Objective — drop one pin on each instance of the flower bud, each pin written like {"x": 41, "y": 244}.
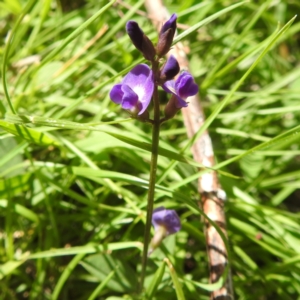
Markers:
{"x": 140, "y": 40}
{"x": 166, "y": 36}
{"x": 149, "y": 51}
{"x": 135, "y": 33}
{"x": 170, "y": 69}
{"x": 171, "y": 23}
{"x": 165, "y": 42}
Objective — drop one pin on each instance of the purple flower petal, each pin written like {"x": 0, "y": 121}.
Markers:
{"x": 116, "y": 93}
{"x": 140, "y": 40}
{"x": 130, "y": 98}
{"x": 135, "y": 33}
{"x": 167, "y": 218}
{"x": 171, "y": 23}
{"x": 182, "y": 88}
{"x": 169, "y": 87}
{"x": 194, "y": 89}
{"x": 166, "y": 36}
{"x": 170, "y": 69}
{"x": 185, "y": 85}
{"x": 135, "y": 91}
{"x": 180, "y": 102}
{"x": 140, "y": 80}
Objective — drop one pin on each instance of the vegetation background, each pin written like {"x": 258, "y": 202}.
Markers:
{"x": 73, "y": 200}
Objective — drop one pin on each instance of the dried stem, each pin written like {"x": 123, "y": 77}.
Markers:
{"x": 211, "y": 195}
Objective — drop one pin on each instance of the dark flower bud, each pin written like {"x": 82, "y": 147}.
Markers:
{"x": 140, "y": 40}
{"x": 149, "y": 51}
{"x": 170, "y": 69}
{"x": 164, "y": 42}
{"x": 166, "y": 36}
{"x": 171, "y": 23}
{"x": 136, "y": 34}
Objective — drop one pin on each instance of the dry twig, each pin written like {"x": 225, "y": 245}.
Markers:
{"x": 211, "y": 194}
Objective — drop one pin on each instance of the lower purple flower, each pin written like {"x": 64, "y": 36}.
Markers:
{"x": 165, "y": 222}
{"x": 167, "y": 218}
{"x": 135, "y": 91}
{"x": 183, "y": 87}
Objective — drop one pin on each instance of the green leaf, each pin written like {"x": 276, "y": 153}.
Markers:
{"x": 101, "y": 265}
{"x": 210, "y": 287}
{"x": 21, "y": 210}
{"x": 76, "y": 33}
{"x": 9, "y": 267}
{"x": 28, "y": 134}
{"x": 206, "y": 21}
{"x": 156, "y": 280}
{"x": 177, "y": 285}
{"x": 62, "y": 124}
{"x": 90, "y": 248}
{"x": 14, "y": 185}
{"x": 11, "y": 155}
{"x": 102, "y": 285}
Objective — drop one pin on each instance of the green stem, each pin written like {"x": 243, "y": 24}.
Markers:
{"x": 153, "y": 169}
{"x": 6, "y": 55}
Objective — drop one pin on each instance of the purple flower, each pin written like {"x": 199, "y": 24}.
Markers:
{"x": 165, "y": 222}
{"x": 166, "y": 218}
{"x": 182, "y": 88}
{"x": 135, "y": 91}
{"x": 170, "y": 69}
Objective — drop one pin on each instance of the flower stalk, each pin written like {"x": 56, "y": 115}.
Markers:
{"x": 134, "y": 94}
{"x": 152, "y": 180}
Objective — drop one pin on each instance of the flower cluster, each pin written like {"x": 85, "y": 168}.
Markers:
{"x": 165, "y": 222}
{"x": 135, "y": 91}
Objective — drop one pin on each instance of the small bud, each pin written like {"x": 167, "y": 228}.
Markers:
{"x": 140, "y": 40}
{"x": 148, "y": 49}
{"x": 171, "y": 23}
{"x": 165, "y": 42}
{"x": 135, "y": 33}
{"x": 170, "y": 69}
{"x": 166, "y": 36}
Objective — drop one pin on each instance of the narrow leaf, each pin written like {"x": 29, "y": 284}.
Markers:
{"x": 28, "y": 133}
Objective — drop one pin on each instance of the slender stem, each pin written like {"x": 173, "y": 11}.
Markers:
{"x": 6, "y": 56}
{"x": 153, "y": 169}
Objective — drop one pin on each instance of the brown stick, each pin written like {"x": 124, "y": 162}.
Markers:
{"x": 211, "y": 194}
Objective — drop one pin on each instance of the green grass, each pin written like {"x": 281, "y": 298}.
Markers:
{"x": 74, "y": 169}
